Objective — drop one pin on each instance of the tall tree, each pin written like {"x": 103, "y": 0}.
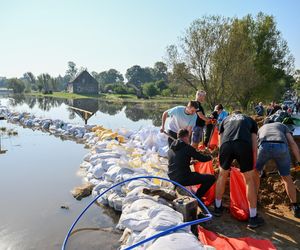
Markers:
{"x": 138, "y": 75}
{"x": 29, "y": 81}
{"x": 110, "y": 76}
{"x": 44, "y": 82}
{"x": 71, "y": 71}
{"x": 198, "y": 46}
{"x": 160, "y": 72}
{"x": 17, "y": 85}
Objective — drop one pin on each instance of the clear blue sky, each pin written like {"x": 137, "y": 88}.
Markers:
{"x": 43, "y": 35}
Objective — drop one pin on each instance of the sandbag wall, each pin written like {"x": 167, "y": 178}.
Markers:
{"x": 116, "y": 156}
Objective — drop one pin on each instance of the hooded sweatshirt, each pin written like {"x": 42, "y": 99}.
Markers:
{"x": 179, "y": 156}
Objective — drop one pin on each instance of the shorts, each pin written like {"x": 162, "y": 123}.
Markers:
{"x": 197, "y": 135}
{"x": 279, "y": 152}
{"x": 239, "y": 150}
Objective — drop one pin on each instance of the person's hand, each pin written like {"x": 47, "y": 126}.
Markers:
{"x": 297, "y": 167}
{"x": 162, "y": 129}
{"x": 208, "y": 122}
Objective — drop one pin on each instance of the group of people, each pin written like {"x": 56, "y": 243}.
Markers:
{"x": 240, "y": 139}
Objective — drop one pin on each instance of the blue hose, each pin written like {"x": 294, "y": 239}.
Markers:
{"x": 169, "y": 230}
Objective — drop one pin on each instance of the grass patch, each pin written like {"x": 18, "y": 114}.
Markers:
{"x": 112, "y": 97}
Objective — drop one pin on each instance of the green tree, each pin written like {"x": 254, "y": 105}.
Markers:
{"x": 44, "y": 83}
{"x": 149, "y": 89}
{"x": 71, "y": 71}
{"x": 160, "y": 72}
{"x": 138, "y": 75}
{"x": 17, "y": 85}
{"x": 110, "y": 76}
{"x": 192, "y": 60}
{"x": 29, "y": 81}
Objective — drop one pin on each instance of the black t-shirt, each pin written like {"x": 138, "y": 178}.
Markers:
{"x": 200, "y": 122}
{"x": 237, "y": 127}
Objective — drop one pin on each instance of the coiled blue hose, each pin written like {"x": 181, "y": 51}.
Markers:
{"x": 169, "y": 230}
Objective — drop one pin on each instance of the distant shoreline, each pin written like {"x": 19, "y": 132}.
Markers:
{"x": 112, "y": 97}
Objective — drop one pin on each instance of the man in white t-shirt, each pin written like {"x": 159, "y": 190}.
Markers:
{"x": 181, "y": 118}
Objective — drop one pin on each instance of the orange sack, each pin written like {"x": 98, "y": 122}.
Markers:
{"x": 239, "y": 207}
{"x": 225, "y": 243}
{"x": 214, "y": 139}
{"x": 206, "y": 168}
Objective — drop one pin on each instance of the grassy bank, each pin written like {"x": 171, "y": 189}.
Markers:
{"x": 112, "y": 97}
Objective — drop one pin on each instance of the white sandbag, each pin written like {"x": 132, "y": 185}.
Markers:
{"x": 86, "y": 165}
{"x": 102, "y": 185}
{"x": 115, "y": 201}
{"x": 112, "y": 173}
{"x": 155, "y": 210}
{"x": 87, "y": 157}
{"x": 177, "y": 241}
{"x": 99, "y": 150}
{"x": 136, "y": 221}
{"x": 166, "y": 219}
{"x": 124, "y": 132}
{"x": 142, "y": 204}
{"x": 104, "y": 198}
{"x": 95, "y": 181}
{"x": 89, "y": 176}
{"x": 136, "y": 183}
{"x": 98, "y": 171}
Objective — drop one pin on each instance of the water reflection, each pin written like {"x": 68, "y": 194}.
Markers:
{"x": 84, "y": 108}
{"x": 133, "y": 111}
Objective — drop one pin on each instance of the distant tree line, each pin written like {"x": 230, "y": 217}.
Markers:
{"x": 237, "y": 61}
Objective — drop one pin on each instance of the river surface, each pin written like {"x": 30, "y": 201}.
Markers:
{"x": 39, "y": 170}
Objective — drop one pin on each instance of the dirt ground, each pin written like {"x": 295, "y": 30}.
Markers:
{"x": 281, "y": 227}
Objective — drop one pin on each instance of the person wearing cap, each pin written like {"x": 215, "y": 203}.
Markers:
{"x": 181, "y": 117}
{"x": 179, "y": 155}
{"x": 274, "y": 139}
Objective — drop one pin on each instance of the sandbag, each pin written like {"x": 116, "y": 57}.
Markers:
{"x": 239, "y": 207}
{"x": 177, "y": 241}
{"x": 136, "y": 221}
{"x": 225, "y": 243}
{"x": 206, "y": 168}
{"x": 214, "y": 139}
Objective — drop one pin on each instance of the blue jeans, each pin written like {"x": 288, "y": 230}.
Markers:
{"x": 279, "y": 152}
{"x": 197, "y": 135}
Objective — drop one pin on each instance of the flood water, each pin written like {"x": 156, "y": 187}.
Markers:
{"x": 39, "y": 170}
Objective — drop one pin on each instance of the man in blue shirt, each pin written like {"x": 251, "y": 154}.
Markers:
{"x": 181, "y": 118}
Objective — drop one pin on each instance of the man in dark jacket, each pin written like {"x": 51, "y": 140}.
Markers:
{"x": 179, "y": 155}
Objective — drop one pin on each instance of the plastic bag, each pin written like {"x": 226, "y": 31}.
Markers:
{"x": 206, "y": 168}
{"x": 225, "y": 243}
{"x": 214, "y": 139}
{"x": 239, "y": 207}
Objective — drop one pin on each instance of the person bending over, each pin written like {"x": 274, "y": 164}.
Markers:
{"x": 181, "y": 117}
{"x": 238, "y": 140}
{"x": 274, "y": 140}
{"x": 179, "y": 155}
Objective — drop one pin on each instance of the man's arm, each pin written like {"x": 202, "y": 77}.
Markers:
{"x": 189, "y": 128}
{"x": 293, "y": 145}
{"x": 163, "y": 121}
{"x": 203, "y": 117}
{"x": 197, "y": 155}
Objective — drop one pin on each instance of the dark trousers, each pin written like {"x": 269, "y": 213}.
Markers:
{"x": 194, "y": 178}
{"x": 208, "y": 131}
